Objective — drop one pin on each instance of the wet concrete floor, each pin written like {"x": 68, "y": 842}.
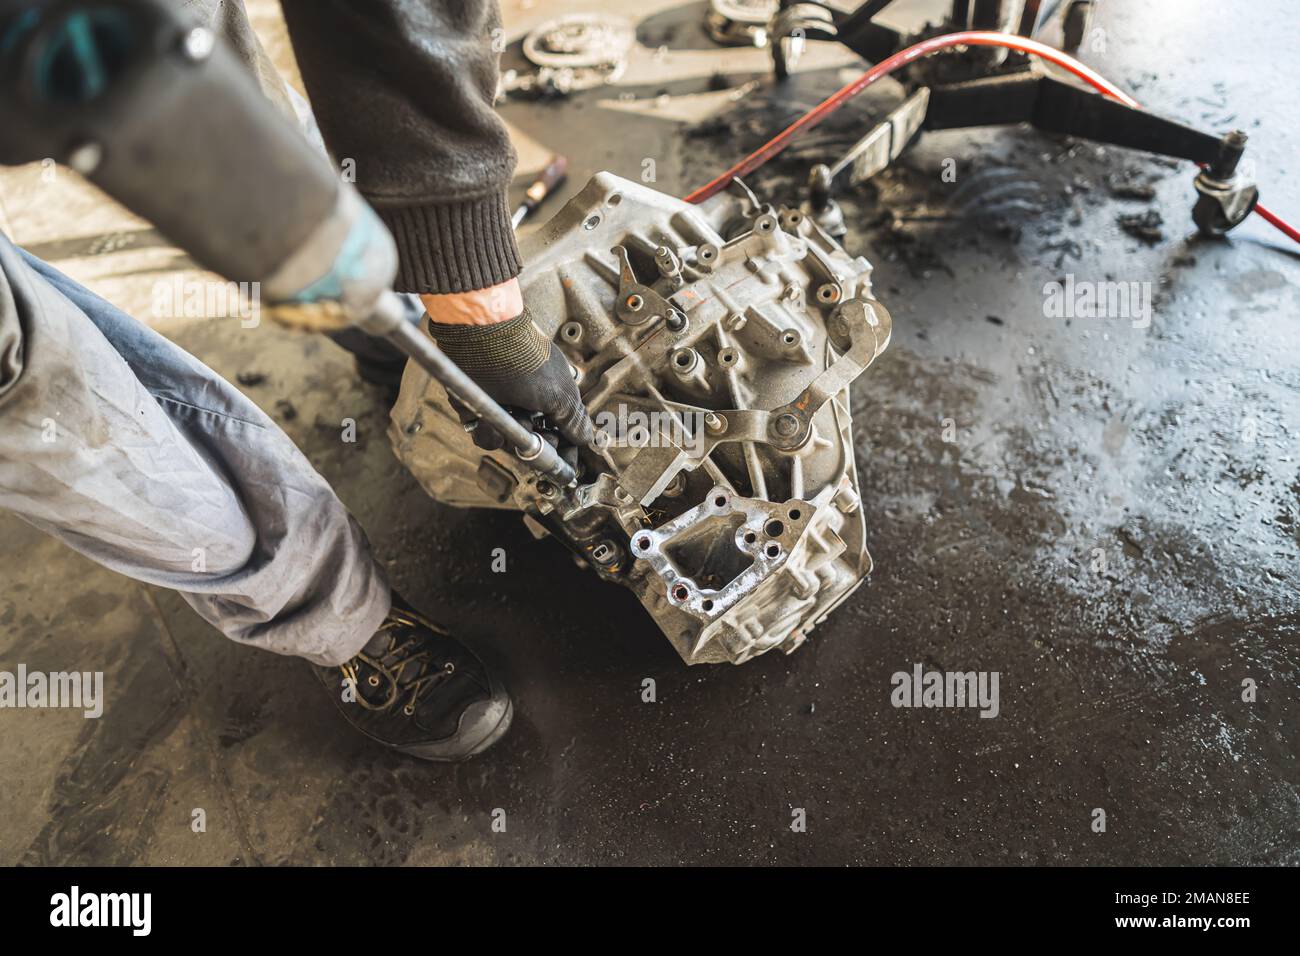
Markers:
{"x": 1103, "y": 511}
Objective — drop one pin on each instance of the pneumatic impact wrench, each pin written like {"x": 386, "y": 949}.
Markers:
{"x": 154, "y": 110}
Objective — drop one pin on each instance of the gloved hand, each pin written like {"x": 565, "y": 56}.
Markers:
{"x": 518, "y": 366}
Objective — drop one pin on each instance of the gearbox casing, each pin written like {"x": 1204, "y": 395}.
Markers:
{"x": 714, "y": 346}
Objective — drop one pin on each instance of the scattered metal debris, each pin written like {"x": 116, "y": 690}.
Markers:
{"x": 580, "y": 51}
{"x": 1143, "y": 225}
{"x": 740, "y": 22}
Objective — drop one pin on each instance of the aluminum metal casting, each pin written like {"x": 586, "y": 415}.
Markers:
{"x": 714, "y": 346}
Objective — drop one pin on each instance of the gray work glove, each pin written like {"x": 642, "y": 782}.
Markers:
{"x": 518, "y": 366}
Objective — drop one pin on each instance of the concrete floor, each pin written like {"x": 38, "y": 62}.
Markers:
{"x": 1171, "y": 448}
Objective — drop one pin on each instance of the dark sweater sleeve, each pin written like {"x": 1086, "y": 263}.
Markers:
{"x": 404, "y": 89}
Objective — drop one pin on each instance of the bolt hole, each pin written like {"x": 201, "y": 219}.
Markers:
{"x": 720, "y": 501}
{"x": 789, "y": 338}
{"x": 706, "y": 253}
{"x": 794, "y": 514}
{"x": 682, "y": 359}
{"x": 774, "y": 529}
{"x": 707, "y": 605}
{"x": 634, "y": 302}
{"x": 750, "y": 537}
{"x": 614, "y": 199}
{"x": 591, "y": 222}
{"x": 643, "y": 544}
{"x": 773, "y": 550}
{"x": 765, "y": 225}
{"x": 681, "y": 593}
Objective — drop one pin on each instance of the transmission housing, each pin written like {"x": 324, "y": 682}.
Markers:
{"x": 714, "y": 346}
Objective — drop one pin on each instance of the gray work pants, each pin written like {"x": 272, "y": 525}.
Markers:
{"x": 121, "y": 444}
{"x": 137, "y": 455}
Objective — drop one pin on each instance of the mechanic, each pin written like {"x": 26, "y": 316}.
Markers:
{"x": 137, "y": 455}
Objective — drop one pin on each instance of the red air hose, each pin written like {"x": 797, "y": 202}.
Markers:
{"x": 925, "y": 48}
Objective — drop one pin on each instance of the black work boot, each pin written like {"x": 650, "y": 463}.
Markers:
{"x": 418, "y": 690}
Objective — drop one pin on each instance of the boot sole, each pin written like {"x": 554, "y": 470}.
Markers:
{"x": 430, "y": 752}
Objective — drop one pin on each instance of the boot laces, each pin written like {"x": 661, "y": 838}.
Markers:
{"x": 406, "y": 668}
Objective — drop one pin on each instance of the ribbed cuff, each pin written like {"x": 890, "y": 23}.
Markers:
{"x": 501, "y": 352}
{"x": 453, "y": 247}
